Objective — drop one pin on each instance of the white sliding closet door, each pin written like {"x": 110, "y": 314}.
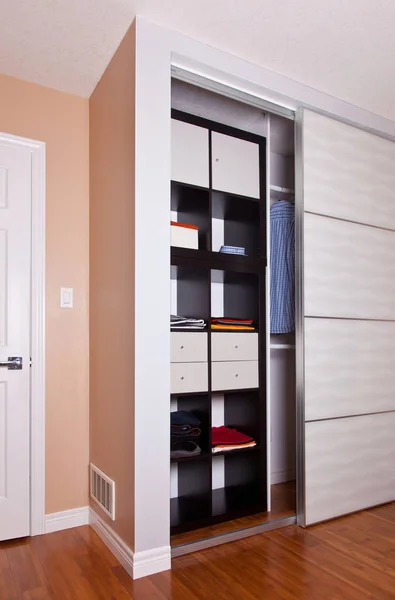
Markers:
{"x": 348, "y": 317}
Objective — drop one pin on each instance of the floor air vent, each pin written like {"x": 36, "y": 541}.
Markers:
{"x": 103, "y": 491}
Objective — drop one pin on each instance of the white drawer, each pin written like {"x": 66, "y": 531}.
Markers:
{"x": 188, "y": 377}
{"x": 235, "y": 375}
{"x": 234, "y": 346}
{"x": 188, "y": 347}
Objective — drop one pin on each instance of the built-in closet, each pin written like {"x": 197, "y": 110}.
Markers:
{"x": 231, "y": 162}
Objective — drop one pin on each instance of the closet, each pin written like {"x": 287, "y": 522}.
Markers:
{"x": 230, "y": 163}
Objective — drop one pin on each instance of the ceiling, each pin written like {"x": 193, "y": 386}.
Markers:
{"x": 346, "y": 49}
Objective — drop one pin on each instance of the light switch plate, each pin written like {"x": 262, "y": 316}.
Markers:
{"x": 66, "y": 297}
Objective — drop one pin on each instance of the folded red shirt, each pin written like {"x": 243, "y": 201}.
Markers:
{"x": 224, "y": 435}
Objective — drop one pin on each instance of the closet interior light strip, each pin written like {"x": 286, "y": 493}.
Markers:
{"x": 231, "y": 92}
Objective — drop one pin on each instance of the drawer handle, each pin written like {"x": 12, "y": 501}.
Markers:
{"x": 181, "y": 347}
{"x": 236, "y": 346}
{"x": 182, "y": 378}
{"x": 236, "y": 375}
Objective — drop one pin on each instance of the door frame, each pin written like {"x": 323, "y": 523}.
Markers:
{"x": 37, "y": 340}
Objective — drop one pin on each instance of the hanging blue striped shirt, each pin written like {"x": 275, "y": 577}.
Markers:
{"x": 282, "y": 267}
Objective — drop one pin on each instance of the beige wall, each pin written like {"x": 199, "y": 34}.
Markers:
{"x": 62, "y": 122}
{"x": 112, "y": 279}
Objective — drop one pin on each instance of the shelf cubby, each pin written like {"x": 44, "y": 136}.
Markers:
{"x": 241, "y": 294}
{"x": 192, "y": 205}
{"x": 241, "y": 221}
{"x": 231, "y": 502}
{"x": 200, "y": 406}
{"x": 191, "y": 290}
{"x": 192, "y": 507}
{"x": 242, "y": 411}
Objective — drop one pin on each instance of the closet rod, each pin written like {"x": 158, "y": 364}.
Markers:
{"x": 282, "y": 190}
{"x": 282, "y": 346}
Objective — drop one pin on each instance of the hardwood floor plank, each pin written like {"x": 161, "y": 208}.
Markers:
{"x": 290, "y": 574}
{"x": 359, "y": 579}
{"x": 27, "y": 570}
{"x": 371, "y": 541}
{"x": 352, "y": 558}
{"x": 93, "y": 542}
{"x": 385, "y": 512}
{"x": 8, "y": 589}
{"x": 39, "y": 594}
{"x": 77, "y": 570}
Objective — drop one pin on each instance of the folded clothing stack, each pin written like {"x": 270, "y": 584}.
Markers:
{"x": 224, "y": 439}
{"x": 226, "y": 324}
{"x": 184, "y": 434}
{"x": 178, "y": 323}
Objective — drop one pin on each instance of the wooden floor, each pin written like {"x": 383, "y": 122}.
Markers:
{"x": 352, "y": 558}
{"x": 283, "y": 505}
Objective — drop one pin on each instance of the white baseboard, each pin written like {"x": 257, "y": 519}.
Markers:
{"x": 138, "y": 564}
{"x": 151, "y": 562}
{"x": 282, "y": 477}
{"x": 67, "y": 519}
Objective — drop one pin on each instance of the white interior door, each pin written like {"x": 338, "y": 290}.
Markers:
{"x": 348, "y": 318}
{"x": 15, "y": 273}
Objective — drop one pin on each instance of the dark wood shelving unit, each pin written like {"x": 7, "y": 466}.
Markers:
{"x": 243, "y": 279}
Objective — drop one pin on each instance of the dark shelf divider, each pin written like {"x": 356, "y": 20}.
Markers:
{"x": 254, "y": 449}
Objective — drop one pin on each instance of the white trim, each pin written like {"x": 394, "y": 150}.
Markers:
{"x": 136, "y": 565}
{"x": 114, "y": 543}
{"x": 151, "y": 562}
{"x": 67, "y": 519}
{"x": 37, "y": 399}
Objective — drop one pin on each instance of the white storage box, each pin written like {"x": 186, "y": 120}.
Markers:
{"x": 184, "y": 235}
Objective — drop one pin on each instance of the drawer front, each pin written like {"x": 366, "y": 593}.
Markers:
{"x": 235, "y": 165}
{"x": 188, "y": 347}
{"x": 235, "y": 375}
{"x": 189, "y": 153}
{"x": 234, "y": 346}
{"x": 188, "y": 377}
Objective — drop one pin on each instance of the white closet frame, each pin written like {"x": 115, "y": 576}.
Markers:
{"x": 161, "y": 53}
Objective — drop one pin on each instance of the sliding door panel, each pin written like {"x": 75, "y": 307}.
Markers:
{"x": 345, "y": 318}
{"x": 349, "y": 173}
{"x": 349, "y": 368}
{"x": 349, "y": 465}
{"x": 349, "y": 269}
